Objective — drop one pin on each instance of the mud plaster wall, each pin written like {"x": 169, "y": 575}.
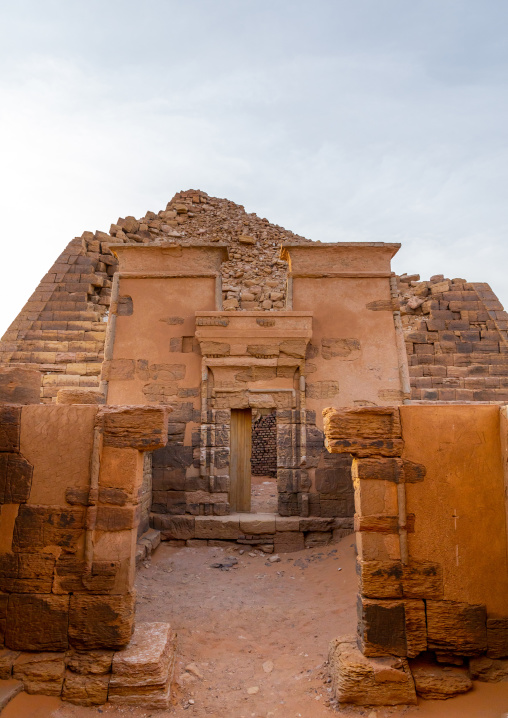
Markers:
{"x": 432, "y": 483}
{"x": 171, "y": 347}
{"x": 67, "y": 550}
{"x": 460, "y": 447}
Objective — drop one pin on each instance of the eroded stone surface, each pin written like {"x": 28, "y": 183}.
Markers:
{"x": 142, "y": 672}
{"x": 360, "y": 680}
{"x": 437, "y": 682}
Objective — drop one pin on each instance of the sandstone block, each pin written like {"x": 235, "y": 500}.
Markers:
{"x": 7, "y": 659}
{"x": 388, "y": 469}
{"x": 41, "y": 672}
{"x": 142, "y": 672}
{"x": 365, "y": 447}
{"x": 117, "y": 518}
{"x": 100, "y": 622}
{"x": 89, "y": 662}
{"x": 85, "y": 690}
{"x": 19, "y": 385}
{"x": 26, "y": 573}
{"x": 38, "y": 527}
{"x": 439, "y": 682}
{"x": 80, "y": 396}
{"x": 391, "y": 627}
{"x": 10, "y": 420}
{"x": 293, "y": 480}
{"x": 287, "y": 523}
{"x": 365, "y": 422}
{"x": 217, "y": 527}
{"x": 288, "y": 541}
{"x": 37, "y": 622}
{"x": 488, "y": 670}
{"x": 359, "y": 680}
{"x": 392, "y": 579}
{"x": 15, "y": 478}
{"x": 143, "y": 428}
{"x": 261, "y": 524}
{"x": 497, "y": 637}
{"x": 315, "y": 524}
{"x": 175, "y": 527}
{"x": 457, "y": 627}
{"x": 382, "y": 524}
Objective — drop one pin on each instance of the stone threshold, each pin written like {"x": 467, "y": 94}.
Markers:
{"x": 267, "y": 532}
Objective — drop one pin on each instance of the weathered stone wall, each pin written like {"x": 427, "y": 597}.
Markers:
{"x": 457, "y": 340}
{"x": 70, "y": 492}
{"x": 174, "y": 344}
{"x": 264, "y": 446}
{"x": 61, "y": 330}
{"x": 431, "y": 529}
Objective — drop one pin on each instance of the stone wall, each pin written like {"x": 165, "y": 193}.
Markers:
{"x": 264, "y": 445}
{"x": 456, "y": 336}
{"x": 430, "y": 521}
{"x": 61, "y": 330}
{"x": 70, "y": 502}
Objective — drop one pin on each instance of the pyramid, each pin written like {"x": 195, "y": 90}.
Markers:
{"x": 61, "y": 330}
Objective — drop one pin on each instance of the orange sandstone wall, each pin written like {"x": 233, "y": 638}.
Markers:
{"x": 460, "y": 506}
{"x": 430, "y": 517}
{"x": 70, "y": 484}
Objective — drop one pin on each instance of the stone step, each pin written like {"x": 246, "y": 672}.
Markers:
{"x": 282, "y": 533}
{"x": 9, "y": 689}
{"x": 142, "y": 672}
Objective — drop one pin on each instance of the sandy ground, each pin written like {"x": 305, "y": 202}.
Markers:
{"x": 261, "y": 626}
{"x": 263, "y": 495}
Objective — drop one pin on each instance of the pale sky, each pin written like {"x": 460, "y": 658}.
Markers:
{"x": 342, "y": 120}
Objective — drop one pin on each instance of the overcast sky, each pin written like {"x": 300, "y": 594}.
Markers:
{"x": 369, "y": 120}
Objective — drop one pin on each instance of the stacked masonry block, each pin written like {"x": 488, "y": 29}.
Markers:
{"x": 403, "y": 609}
{"x": 456, "y": 339}
{"x": 264, "y": 446}
{"x": 71, "y": 482}
{"x": 61, "y": 329}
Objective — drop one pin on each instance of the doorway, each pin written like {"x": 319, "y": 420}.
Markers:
{"x": 264, "y": 461}
{"x": 240, "y": 467}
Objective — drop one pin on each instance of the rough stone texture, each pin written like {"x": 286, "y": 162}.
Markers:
{"x": 10, "y": 426}
{"x": 439, "y": 682}
{"x": 7, "y": 659}
{"x": 391, "y": 627}
{"x": 138, "y": 427}
{"x": 79, "y": 396}
{"x": 41, "y": 672}
{"x": 90, "y": 662}
{"x": 37, "y": 622}
{"x": 456, "y": 627}
{"x": 489, "y": 670}
{"x": 360, "y": 680}
{"x": 264, "y": 446}
{"x": 391, "y": 579}
{"x": 97, "y": 622}
{"x": 19, "y": 385}
{"x": 61, "y": 329}
{"x": 456, "y": 338}
{"x": 85, "y": 690}
{"x": 497, "y": 637}
{"x": 142, "y": 672}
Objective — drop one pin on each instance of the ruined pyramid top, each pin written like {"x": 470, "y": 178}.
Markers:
{"x": 254, "y": 277}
